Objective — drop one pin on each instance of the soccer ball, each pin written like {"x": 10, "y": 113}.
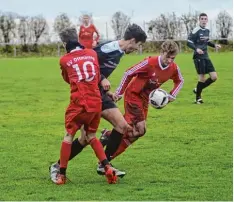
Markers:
{"x": 158, "y": 98}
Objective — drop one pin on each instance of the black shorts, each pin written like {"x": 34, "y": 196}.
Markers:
{"x": 204, "y": 66}
{"x": 107, "y": 102}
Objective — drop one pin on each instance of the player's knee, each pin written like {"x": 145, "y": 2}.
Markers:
{"x": 122, "y": 127}
{"x": 82, "y": 140}
{"x": 202, "y": 79}
{"x": 214, "y": 78}
{"x": 90, "y": 136}
{"x": 142, "y": 132}
{"x": 68, "y": 138}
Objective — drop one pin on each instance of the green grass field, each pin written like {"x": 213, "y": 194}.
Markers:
{"x": 185, "y": 155}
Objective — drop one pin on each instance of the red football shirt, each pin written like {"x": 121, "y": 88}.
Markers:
{"x": 80, "y": 69}
{"x": 142, "y": 78}
{"x": 86, "y": 35}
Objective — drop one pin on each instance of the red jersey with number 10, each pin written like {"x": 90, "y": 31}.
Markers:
{"x": 80, "y": 69}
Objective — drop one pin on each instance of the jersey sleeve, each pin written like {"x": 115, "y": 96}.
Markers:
{"x": 96, "y": 31}
{"x": 140, "y": 68}
{"x": 192, "y": 39}
{"x": 178, "y": 82}
{"x": 64, "y": 72}
{"x": 79, "y": 34}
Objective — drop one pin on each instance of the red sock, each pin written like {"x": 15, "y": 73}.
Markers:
{"x": 98, "y": 149}
{"x": 122, "y": 147}
{"x": 65, "y": 154}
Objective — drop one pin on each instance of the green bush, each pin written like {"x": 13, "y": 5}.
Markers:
{"x": 55, "y": 49}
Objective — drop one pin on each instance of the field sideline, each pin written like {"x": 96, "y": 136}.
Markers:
{"x": 186, "y": 154}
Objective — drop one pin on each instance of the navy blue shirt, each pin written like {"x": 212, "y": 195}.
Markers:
{"x": 109, "y": 55}
{"x": 199, "y": 38}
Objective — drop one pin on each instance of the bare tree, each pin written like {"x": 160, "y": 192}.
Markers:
{"x": 119, "y": 23}
{"x": 38, "y": 27}
{"x": 190, "y": 21}
{"x": 61, "y": 22}
{"x": 7, "y": 27}
{"x": 24, "y": 32}
{"x": 165, "y": 27}
{"x": 224, "y": 25}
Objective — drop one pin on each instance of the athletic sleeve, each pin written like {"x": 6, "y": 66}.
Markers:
{"x": 178, "y": 83}
{"x": 140, "y": 68}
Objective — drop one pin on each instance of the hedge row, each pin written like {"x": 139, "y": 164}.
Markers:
{"x": 54, "y": 50}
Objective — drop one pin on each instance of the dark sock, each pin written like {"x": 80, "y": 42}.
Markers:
{"x": 207, "y": 82}
{"x": 105, "y": 162}
{"x": 63, "y": 171}
{"x": 113, "y": 143}
{"x": 76, "y": 148}
{"x": 199, "y": 89}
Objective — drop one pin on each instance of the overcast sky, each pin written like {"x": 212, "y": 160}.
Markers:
{"x": 102, "y": 10}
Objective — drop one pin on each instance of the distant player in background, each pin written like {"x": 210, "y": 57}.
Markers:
{"x": 87, "y": 31}
{"x": 80, "y": 69}
{"x": 198, "y": 40}
{"x": 136, "y": 85}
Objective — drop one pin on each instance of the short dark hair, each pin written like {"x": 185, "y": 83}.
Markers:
{"x": 68, "y": 34}
{"x": 202, "y": 14}
{"x": 134, "y": 31}
{"x": 70, "y": 37}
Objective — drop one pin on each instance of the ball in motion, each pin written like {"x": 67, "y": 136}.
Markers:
{"x": 158, "y": 98}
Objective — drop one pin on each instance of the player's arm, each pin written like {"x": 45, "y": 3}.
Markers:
{"x": 178, "y": 84}
{"x": 213, "y": 45}
{"x": 140, "y": 68}
{"x": 98, "y": 35}
{"x": 79, "y": 34}
{"x": 192, "y": 39}
{"x": 105, "y": 83}
{"x": 64, "y": 75}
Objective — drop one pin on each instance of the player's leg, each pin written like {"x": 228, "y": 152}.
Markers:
{"x": 139, "y": 130}
{"x": 135, "y": 115}
{"x": 200, "y": 65}
{"x": 77, "y": 146}
{"x": 112, "y": 114}
{"x": 64, "y": 157}
{"x": 213, "y": 75}
{"x": 73, "y": 121}
{"x": 97, "y": 147}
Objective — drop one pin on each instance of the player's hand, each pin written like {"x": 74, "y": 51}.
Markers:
{"x": 171, "y": 98}
{"x": 94, "y": 44}
{"x": 113, "y": 96}
{"x": 200, "y": 51}
{"x": 218, "y": 46}
{"x": 105, "y": 84}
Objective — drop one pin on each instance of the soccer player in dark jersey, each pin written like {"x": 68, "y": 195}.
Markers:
{"x": 80, "y": 69}
{"x": 198, "y": 40}
{"x": 109, "y": 55}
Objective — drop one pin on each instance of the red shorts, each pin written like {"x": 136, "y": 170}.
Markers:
{"x": 135, "y": 112}
{"x": 87, "y": 44}
{"x": 76, "y": 116}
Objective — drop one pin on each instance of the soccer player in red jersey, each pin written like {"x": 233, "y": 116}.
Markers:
{"x": 136, "y": 85}
{"x": 86, "y": 33}
{"x": 80, "y": 69}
